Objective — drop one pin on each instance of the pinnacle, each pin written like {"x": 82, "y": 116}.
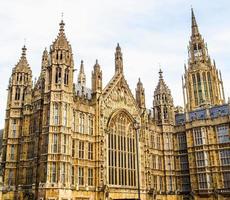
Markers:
{"x": 160, "y": 74}
{"x": 62, "y": 25}
{"x": 139, "y": 83}
{"x": 96, "y": 63}
{"x": 82, "y": 67}
{"x": 45, "y": 51}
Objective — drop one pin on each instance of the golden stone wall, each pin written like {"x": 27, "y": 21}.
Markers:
{"x": 61, "y": 140}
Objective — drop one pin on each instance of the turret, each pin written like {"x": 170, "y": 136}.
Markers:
{"x": 20, "y": 80}
{"x": 163, "y": 102}
{"x": 140, "y": 94}
{"x": 96, "y": 78}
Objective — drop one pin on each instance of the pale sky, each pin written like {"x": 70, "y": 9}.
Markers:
{"x": 150, "y": 33}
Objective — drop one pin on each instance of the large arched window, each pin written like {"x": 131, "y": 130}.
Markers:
{"x": 122, "y": 151}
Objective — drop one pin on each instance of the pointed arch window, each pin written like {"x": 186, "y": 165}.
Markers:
{"x": 21, "y": 77}
{"x": 205, "y": 85}
{"x": 23, "y": 95}
{"x": 58, "y": 75}
{"x": 199, "y": 88}
{"x": 158, "y": 114}
{"x": 12, "y": 152}
{"x": 55, "y": 143}
{"x": 74, "y": 121}
{"x": 17, "y": 94}
{"x": 195, "y": 89}
{"x": 53, "y": 171}
{"x": 210, "y": 87}
{"x": 165, "y": 112}
{"x": 90, "y": 124}
{"x": 65, "y": 115}
{"x": 17, "y": 76}
{"x": 55, "y": 114}
{"x": 14, "y": 127}
{"x": 81, "y": 122}
{"x": 11, "y": 177}
{"x": 66, "y": 77}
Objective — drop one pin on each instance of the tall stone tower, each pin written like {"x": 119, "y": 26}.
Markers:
{"x": 18, "y": 106}
{"x": 55, "y": 156}
{"x": 203, "y": 84}
{"x": 164, "y": 117}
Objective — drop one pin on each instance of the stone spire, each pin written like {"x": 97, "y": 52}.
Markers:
{"x": 81, "y": 75}
{"x": 195, "y": 30}
{"x": 198, "y": 51}
{"x": 118, "y": 60}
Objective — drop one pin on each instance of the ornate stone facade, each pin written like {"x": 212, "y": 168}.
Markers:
{"x": 64, "y": 141}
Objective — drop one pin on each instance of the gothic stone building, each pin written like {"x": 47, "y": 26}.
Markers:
{"x": 64, "y": 141}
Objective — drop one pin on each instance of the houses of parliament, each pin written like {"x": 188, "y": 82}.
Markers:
{"x": 65, "y": 141}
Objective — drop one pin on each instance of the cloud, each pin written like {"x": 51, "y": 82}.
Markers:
{"x": 149, "y": 31}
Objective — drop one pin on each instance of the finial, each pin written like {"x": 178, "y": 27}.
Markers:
{"x": 139, "y": 83}
{"x": 160, "y": 73}
{"x": 96, "y": 62}
{"x": 82, "y": 62}
{"x": 24, "y": 51}
{"x": 118, "y": 47}
{"x": 62, "y": 24}
{"x": 45, "y": 51}
{"x": 96, "y": 65}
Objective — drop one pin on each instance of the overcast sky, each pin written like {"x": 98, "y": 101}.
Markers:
{"x": 150, "y": 33}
